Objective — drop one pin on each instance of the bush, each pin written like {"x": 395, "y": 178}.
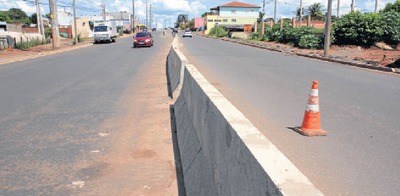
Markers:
{"x": 80, "y": 39}
{"x": 290, "y": 35}
{"x": 391, "y": 27}
{"x": 358, "y": 29}
{"x": 48, "y": 32}
{"x": 219, "y": 32}
{"x": 310, "y": 42}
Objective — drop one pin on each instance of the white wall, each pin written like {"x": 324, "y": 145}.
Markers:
{"x": 239, "y": 12}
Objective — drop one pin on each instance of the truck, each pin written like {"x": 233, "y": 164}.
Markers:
{"x": 105, "y": 31}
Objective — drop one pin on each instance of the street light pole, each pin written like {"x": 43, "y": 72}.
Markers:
{"x": 75, "y": 31}
{"x": 352, "y": 5}
{"x": 338, "y": 7}
{"x": 327, "y": 41}
{"x": 376, "y": 6}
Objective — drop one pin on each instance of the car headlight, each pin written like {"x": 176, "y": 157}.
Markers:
{"x": 147, "y": 40}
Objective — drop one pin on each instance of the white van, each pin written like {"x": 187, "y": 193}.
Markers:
{"x": 105, "y": 32}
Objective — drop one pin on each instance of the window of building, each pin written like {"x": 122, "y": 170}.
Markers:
{"x": 233, "y": 20}
{"x": 217, "y": 20}
{"x": 211, "y": 20}
{"x": 225, "y": 20}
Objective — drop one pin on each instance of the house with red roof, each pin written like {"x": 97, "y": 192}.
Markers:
{"x": 233, "y": 15}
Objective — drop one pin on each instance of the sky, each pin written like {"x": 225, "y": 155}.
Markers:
{"x": 165, "y": 12}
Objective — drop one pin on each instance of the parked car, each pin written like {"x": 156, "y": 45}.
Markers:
{"x": 143, "y": 39}
{"x": 187, "y": 33}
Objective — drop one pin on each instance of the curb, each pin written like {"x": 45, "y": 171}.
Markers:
{"x": 329, "y": 59}
{"x": 47, "y": 53}
{"x": 52, "y": 52}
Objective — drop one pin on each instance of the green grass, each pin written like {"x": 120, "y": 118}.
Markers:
{"x": 32, "y": 43}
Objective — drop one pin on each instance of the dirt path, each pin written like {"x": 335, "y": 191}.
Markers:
{"x": 141, "y": 161}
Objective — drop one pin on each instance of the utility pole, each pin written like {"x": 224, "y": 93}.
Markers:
{"x": 133, "y": 16}
{"x": 104, "y": 12}
{"x": 147, "y": 15}
{"x": 376, "y": 6}
{"x": 352, "y": 5}
{"x": 338, "y": 7}
{"x": 301, "y": 12}
{"x": 151, "y": 18}
{"x": 327, "y": 42}
{"x": 54, "y": 24}
{"x": 37, "y": 16}
{"x": 40, "y": 18}
{"x": 276, "y": 4}
{"x": 75, "y": 30}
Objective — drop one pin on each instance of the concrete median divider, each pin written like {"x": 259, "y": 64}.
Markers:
{"x": 176, "y": 61}
{"x": 222, "y": 152}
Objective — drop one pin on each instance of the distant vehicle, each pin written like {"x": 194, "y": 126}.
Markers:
{"x": 143, "y": 39}
{"x": 174, "y": 30}
{"x": 105, "y": 32}
{"x": 154, "y": 29}
{"x": 187, "y": 33}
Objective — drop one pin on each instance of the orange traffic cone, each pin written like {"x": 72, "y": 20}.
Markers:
{"x": 311, "y": 123}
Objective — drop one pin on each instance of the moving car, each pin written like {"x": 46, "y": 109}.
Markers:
{"x": 187, "y": 33}
{"x": 143, "y": 39}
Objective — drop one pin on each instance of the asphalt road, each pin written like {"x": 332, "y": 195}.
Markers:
{"x": 359, "y": 109}
{"x": 55, "y": 122}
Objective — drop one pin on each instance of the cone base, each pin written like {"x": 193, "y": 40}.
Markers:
{"x": 312, "y": 132}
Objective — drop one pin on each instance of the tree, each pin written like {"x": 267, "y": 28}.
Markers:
{"x": 395, "y": 7}
{"x": 205, "y": 14}
{"x": 4, "y": 17}
{"x": 260, "y": 16}
{"x": 182, "y": 20}
{"x": 315, "y": 12}
{"x": 297, "y": 12}
{"x": 33, "y": 18}
{"x": 18, "y": 16}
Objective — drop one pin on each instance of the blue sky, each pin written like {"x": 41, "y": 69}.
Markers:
{"x": 168, "y": 10}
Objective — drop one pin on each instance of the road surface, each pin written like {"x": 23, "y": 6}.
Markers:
{"x": 359, "y": 109}
{"x": 86, "y": 121}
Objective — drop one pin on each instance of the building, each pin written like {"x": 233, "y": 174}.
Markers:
{"x": 122, "y": 19}
{"x": 198, "y": 23}
{"x": 233, "y": 15}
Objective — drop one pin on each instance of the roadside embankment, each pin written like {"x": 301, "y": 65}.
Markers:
{"x": 222, "y": 152}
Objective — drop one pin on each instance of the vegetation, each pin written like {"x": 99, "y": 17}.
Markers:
{"x": 304, "y": 37}
{"x": 392, "y": 7}
{"x": 181, "y": 20}
{"x": 80, "y": 39}
{"x": 16, "y": 16}
{"x": 32, "y": 43}
{"x": 315, "y": 11}
{"x": 4, "y": 17}
{"x": 367, "y": 28}
{"x": 219, "y": 32}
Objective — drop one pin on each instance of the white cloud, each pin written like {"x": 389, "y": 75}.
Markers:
{"x": 29, "y": 9}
